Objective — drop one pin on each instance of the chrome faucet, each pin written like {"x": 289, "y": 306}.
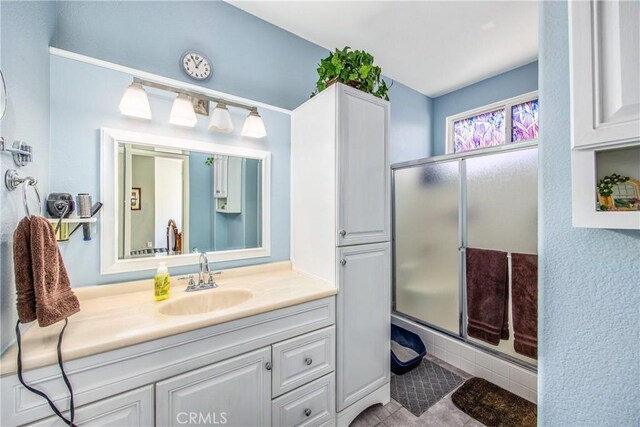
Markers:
{"x": 204, "y": 271}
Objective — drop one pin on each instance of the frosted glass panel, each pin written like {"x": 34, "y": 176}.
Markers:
{"x": 426, "y": 243}
{"x": 502, "y": 212}
{"x": 502, "y": 201}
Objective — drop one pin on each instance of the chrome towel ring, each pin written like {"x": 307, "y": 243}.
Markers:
{"x": 12, "y": 181}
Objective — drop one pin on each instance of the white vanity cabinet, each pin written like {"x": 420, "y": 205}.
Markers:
{"x": 274, "y": 368}
{"x": 605, "y": 107}
{"x": 235, "y": 392}
{"x": 341, "y": 231}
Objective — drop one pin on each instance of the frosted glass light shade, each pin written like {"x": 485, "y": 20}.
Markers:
{"x": 182, "y": 113}
{"x": 221, "y": 119}
{"x": 134, "y": 102}
{"x": 254, "y": 126}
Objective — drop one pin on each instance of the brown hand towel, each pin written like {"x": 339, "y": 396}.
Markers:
{"x": 487, "y": 295}
{"x": 524, "y": 285}
{"x": 42, "y": 284}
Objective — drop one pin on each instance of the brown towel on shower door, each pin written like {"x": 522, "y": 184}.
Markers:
{"x": 42, "y": 284}
{"x": 524, "y": 285}
{"x": 487, "y": 295}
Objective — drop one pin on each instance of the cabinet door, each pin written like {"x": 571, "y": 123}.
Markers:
{"x": 234, "y": 392}
{"x": 605, "y": 72}
{"x": 133, "y": 408}
{"x": 363, "y": 169}
{"x": 363, "y": 321}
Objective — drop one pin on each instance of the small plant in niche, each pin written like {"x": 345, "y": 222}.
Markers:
{"x": 354, "y": 68}
{"x": 605, "y": 188}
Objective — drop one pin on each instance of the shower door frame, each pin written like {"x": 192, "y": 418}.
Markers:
{"x": 462, "y": 240}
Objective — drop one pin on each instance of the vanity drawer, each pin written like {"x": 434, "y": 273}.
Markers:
{"x": 131, "y": 409}
{"x": 302, "y": 359}
{"x": 309, "y": 405}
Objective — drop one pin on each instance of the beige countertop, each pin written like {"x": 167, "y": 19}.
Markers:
{"x": 120, "y": 315}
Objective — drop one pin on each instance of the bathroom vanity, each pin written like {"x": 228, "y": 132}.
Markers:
{"x": 300, "y": 342}
{"x": 268, "y": 358}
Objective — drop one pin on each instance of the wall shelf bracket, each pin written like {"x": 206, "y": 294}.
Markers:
{"x": 20, "y": 150}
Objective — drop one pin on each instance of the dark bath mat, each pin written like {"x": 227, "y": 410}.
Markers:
{"x": 494, "y": 406}
{"x": 419, "y": 389}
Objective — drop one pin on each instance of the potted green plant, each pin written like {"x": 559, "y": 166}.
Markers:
{"x": 605, "y": 190}
{"x": 354, "y": 68}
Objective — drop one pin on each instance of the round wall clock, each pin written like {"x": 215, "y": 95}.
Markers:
{"x": 196, "y": 65}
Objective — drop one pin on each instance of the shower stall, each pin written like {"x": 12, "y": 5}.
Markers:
{"x": 441, "y": 206}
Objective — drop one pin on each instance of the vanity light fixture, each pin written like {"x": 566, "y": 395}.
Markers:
{"x": 134, "y": 102}
{"x": 221, "y": 119}
{"x": 253, "y": 125}
{"x": 182, "y": 113}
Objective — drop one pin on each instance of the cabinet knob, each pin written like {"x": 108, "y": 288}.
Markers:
{"x": 343, "y": 262}
{"x": 268, "y": 366}
{"x": 308, "y": 361}
{"x": 307, "y": 412}
{"x": 343, "y": 233}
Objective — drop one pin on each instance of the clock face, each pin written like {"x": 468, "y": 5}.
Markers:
{"x": 196, "y": 65}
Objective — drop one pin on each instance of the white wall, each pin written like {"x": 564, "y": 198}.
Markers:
{"x": 168, "y": 197}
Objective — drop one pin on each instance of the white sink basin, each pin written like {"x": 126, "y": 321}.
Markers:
{"x": 200, "y": 302}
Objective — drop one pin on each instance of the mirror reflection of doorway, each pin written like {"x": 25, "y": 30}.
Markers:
{"x": 157, "y": 185}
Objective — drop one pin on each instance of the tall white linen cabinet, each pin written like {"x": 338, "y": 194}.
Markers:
{"x": 341, "y": 231}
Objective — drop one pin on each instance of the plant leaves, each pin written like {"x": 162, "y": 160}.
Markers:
{"x": 354, "y": 68}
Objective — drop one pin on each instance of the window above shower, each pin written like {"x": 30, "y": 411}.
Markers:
{"x": 511, "y": 121}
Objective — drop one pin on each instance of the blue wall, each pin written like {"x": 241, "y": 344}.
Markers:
{"x": 410, "y": 124}
{"x": 506, "y": 85}
{"x": 200, "y": 208}
{"x": 85, "y": 98}
{"x": 250, "y": 57}
{"x": 26, "y": 29}
{"x": 589, "y": 297}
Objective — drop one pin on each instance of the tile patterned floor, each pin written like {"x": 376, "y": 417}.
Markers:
{"x": 443, "y": 414}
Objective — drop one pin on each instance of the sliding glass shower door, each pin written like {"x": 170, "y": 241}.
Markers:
{"x": 486, "y": 200}
{"x": 427, "y": 239}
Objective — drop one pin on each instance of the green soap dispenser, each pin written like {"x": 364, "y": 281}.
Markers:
{"x": 162, "y": 283}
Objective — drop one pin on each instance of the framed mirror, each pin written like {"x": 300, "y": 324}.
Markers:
{"x": 169, "y": 198}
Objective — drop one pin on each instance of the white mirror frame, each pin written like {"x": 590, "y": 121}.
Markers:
{"x": 109, "y": 261}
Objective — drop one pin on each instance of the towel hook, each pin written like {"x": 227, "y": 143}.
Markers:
{"x": 12, "y": 181}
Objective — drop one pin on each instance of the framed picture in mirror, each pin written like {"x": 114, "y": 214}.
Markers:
{"x": 136, "y": 203}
